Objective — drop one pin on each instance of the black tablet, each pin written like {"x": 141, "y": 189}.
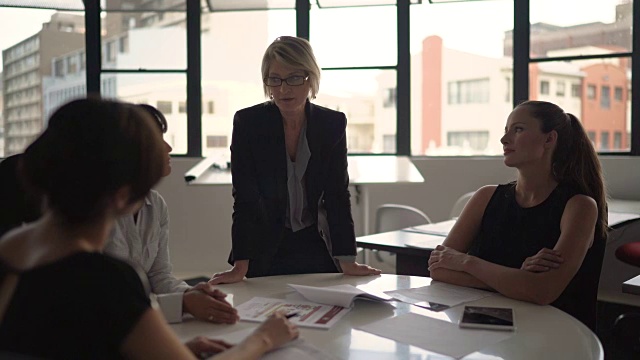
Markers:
{"x": 482, "y": 317}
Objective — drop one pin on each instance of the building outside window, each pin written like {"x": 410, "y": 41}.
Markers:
{"x": 576, "y": 90}
{"x": 165, "y": 107}
{"x": 604, "y": 140}
{"x": 605, "y": 97}
{"x": 617, "y": 93}
{"x": 469, "y": 92}
{"x": 560, "y": 88}
{"x": 474, "y": 140}
{"x": 617, "y": 140}
{"x": 591, "y": 92}
{"x": 544, "y": 87}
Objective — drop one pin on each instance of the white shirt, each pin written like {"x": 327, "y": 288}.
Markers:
{"x": 146, "y": 243}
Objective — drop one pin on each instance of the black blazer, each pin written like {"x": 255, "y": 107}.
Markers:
{"x": 259, "y": 173}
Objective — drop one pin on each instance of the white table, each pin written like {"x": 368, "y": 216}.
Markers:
{"x": 543, "y": 332}
{"x": 363, "y": 170}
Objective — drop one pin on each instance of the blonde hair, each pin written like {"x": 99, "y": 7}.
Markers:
{"x": 296, "y": 53}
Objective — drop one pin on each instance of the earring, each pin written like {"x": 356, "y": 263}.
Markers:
{"x": 271, "y": 96}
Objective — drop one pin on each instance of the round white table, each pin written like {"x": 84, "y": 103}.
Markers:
{"x": 543, "y": 332}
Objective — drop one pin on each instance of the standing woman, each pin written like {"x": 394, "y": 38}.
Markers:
{"x": 542, "y": 237}
{"x": 292, "y": 210}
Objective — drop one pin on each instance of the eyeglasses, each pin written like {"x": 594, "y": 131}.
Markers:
{"x": 295, "y": 80}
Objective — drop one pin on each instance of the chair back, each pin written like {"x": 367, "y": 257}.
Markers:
{"x": 390, "y": 217}
{"x": 460, "y": 204}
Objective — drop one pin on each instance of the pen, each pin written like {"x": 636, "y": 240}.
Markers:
{"x": 290, "y": 315}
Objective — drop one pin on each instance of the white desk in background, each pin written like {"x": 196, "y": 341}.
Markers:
{"x": 363, "y": 170}
{"x": 413, "y": 245}
{"x": 543, "y": 332}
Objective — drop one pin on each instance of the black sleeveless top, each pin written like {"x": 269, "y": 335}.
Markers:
{"x": 79, "y": 307}
{"x": 509, "y": 234}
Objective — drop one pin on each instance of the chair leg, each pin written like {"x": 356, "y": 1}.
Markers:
{"x": 626, "y": 336}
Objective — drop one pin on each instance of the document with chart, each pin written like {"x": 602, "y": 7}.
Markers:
{"x": 305, "y": 314}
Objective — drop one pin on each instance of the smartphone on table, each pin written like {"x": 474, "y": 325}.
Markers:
{"x": 484, "y": 317}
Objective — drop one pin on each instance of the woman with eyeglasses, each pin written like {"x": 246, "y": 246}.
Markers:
{"x": 292, "y": 212}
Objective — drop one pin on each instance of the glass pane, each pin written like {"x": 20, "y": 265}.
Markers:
{"x": 226, "y": 5}
{"x": 45, "y": 4}
{"x": 42, "y": 59}
{"x": 370, "y": 39}
{"x": 144, "y": 40}
{"x": 231, "y": 61}
{"x": 599, "y": 96}
{"x": 461, "y": 82}
{"x": 164, "y": 91}
{"x": 557, "y": 29}
{"x": 368, "y": 99}
{"x": 127, "y": 5}
{"x": 345, "y": 3}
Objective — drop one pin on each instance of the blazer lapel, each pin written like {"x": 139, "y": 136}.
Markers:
{"x": 278, "y": 150}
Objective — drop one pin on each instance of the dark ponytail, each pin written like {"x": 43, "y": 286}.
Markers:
{"x": 575, "y": 162}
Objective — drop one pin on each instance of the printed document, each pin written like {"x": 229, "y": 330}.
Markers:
{"x": 306, "y": 314}
{"x": 435, "y": 335}
{"x": 340, "y": 295}
{"x": 439, "y": 293}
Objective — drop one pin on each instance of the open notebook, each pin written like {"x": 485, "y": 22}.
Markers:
{"x": 340, "y": 295}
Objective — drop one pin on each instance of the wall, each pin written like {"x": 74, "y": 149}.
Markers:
{"x": 200, "y": 237}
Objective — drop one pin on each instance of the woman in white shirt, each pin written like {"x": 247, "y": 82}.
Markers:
{"x": 143, "y": 238}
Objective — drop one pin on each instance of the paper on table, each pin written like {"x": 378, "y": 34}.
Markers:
{"x": 440, "y": 293}
{"x": 435, "y": 335}
{"x": 440, "y": 228}
{"x": 340, "y": 295}
{"x": 309, "y": 314}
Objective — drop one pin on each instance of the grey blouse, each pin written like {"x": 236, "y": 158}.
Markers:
{"x": 298, "y": 215}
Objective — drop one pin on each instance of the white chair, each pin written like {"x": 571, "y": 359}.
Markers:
{"x": 460, "y": 204}
{"x": 390, "y": 217}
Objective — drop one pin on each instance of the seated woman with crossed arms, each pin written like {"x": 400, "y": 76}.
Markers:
{"x": 540, "y": 238}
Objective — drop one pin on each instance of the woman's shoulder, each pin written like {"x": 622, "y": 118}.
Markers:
{"x": 260, "y": 108}
{"x": 324, "y": 112}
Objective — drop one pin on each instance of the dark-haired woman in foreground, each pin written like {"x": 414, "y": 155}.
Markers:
{"x": 540, "y": 238}
{"x": 60, "y": 297}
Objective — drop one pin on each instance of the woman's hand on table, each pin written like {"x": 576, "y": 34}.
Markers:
{"x": 545, "y": 260}
{"x": 276, "y": 331}
{"x": 447, "y": 258}
{"x": 236, "y": 274}
{"x": 208, "y": 303}
{"x": 203, "y": 347}
{"x": 356, "y": 269}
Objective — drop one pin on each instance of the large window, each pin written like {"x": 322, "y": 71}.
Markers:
{"x": 591, "y": 48}
{"x": 231, "y": 61}
{"x": 458, "y": 86}
{"x": 460, "y": 81}
{"x": 40, "y": 70}
{"x": 359, "y": 76}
